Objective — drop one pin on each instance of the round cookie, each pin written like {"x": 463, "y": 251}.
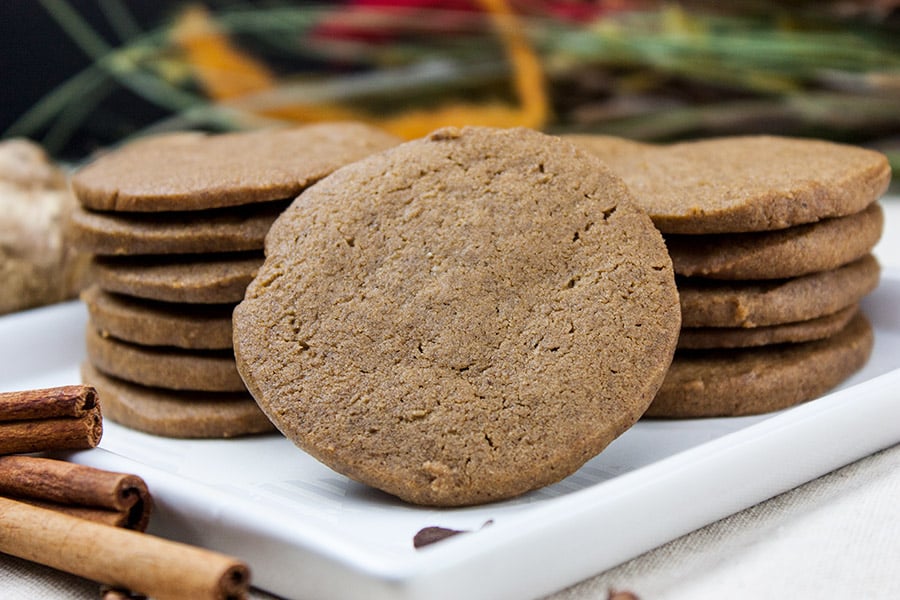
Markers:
{"x": 217, "y": 230}
{"x": 745, "y": 337}
{"x": 778, "y": 254}
{"x": 740, "y": 184}
{"x": 182, "y": 414}
{"x": 460, "y": 319}
{"x": 170, "y": 368}
{"x": 722, "y": 383}
{"x": 710, "y": 303}
{"x": 193, "y": 279}
{"x": 195, "y": 171}
{"x": 152, "y": 323}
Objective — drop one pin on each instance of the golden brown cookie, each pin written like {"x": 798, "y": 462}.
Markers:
{"x": 216, "y": 230}
{"x": 745, "y": 337}
{"x": 740, "y": 184}
{"x": 711, "y": 303}
{"x": 170, "y": 368}
{"x": 789, "y": 252}
{"x": 460, "y": 319}
{"x": 194, "y": 279}
{"x": 182, "y": 414}
{"x": 722, "y": 383}
{"x": 153, "y": 323}
{"x": 195, "y": 171}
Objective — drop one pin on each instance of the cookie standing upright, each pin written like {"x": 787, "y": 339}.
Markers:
{"x": 176, "y": 225}
{"x": 460, "y": 319}
{"x": 771, "y": 238}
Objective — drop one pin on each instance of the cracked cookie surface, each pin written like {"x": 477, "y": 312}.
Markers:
{"x": 460, "y": 319}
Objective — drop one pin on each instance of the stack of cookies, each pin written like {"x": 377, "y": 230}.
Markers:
{"x": 176, "y": 226}
{"x": 771, "y": 241}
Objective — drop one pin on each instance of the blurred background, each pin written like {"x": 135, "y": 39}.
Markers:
{"x": 79, "y": 75}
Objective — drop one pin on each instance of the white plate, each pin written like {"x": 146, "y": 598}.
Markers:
{"x": 308, "y": 532}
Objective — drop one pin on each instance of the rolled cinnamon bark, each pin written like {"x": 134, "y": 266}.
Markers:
{"x": 64, "y": 401}
{"x": 103, "y": 516}
{"x": 159, "y": 568}
{"x": 63, "y": 418}
{"x": 51, "y": 434}
{"x": 77, "y": 489}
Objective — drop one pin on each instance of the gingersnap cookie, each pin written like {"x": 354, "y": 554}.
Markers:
{"x": 201, "y": 279}
{"x": 186, "y": 232}
{"x": 713, "y": 303}
{"x": 153, "y": 323}
{"x": 778, "y": 254}
{"x": 461, "y": 319}
{"x": 745, "y": 337}
{"x": 195, "y": 171}
{"x": 170, "y": 368}
{"x": 721, "y": 383}
{"x": 747, "y": 183}
{"x": 181, "y": 414}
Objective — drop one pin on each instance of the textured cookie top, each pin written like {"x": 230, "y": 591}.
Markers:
{"x": 194, "y": 171}
{"x": 739, "y": 184}
{"x": 462, "y": 318}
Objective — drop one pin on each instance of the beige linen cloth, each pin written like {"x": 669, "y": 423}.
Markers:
{"x": 835, "y": 537}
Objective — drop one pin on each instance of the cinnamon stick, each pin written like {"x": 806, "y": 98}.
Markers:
{"x": 62, "y": 418}
{"x": 103, "y": 516}
{"x": 65, "y": 401}
{"x": 105, "y": 496}
{"x": 120, "y": 558}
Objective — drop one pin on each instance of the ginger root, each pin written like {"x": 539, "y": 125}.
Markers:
{"x": 37, "y": 265}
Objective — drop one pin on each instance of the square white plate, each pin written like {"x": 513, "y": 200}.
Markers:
{"x": 310, "y": 533}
